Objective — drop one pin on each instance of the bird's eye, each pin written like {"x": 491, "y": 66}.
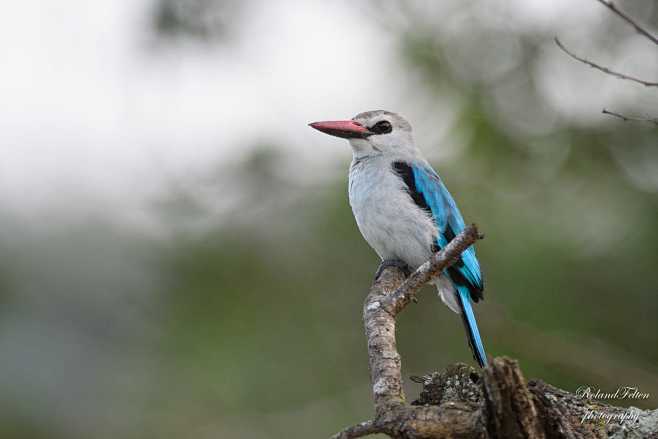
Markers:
{"x": 381, "y": 127}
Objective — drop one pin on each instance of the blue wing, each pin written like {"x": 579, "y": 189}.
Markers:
{"x": 450, "y": 223}
{"x": 429, "y": 193}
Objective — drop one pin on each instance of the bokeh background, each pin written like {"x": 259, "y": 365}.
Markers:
{"x": 178, "y": 254}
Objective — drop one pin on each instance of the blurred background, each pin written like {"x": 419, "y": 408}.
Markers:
{"x": 179, "y": 258}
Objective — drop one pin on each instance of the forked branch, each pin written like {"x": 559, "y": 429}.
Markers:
{"x": 463, "y": 402}
{"x": 641, "y": 30}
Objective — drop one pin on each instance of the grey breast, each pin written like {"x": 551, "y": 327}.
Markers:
{"x": 386, "y": 215}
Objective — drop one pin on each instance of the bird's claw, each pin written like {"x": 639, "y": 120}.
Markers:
{"x": 392, "y": 263}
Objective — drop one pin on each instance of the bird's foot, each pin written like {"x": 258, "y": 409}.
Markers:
{"x": 392, "y": 263}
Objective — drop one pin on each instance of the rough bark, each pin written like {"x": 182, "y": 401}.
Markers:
{"x": 464, "y": 402}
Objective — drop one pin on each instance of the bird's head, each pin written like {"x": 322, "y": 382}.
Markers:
{"x": 372, "y": 133}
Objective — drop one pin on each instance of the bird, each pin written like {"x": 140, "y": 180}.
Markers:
{"x": 405, "y": 212}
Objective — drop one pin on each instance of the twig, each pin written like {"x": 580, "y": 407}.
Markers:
{"x": 604, "y": 69}
{"x": 610, "y": 5}
{"x": 631, "y": 118}
{"x": 432, "y": 268}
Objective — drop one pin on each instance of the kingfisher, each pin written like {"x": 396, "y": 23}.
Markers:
{"x": 404, "y": 211}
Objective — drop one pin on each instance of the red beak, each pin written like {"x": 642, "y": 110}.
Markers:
{"x": 347, "y": 129}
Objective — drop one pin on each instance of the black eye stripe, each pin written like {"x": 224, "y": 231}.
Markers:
{"x": 381, "y": 127}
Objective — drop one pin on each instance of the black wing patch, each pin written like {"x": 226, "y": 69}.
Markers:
{"x": 407, "y": 175}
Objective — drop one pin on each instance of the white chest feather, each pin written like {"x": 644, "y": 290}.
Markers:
{"x": 389, "y": 220}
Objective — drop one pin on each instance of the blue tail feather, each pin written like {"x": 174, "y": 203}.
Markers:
{"x": 471, "y": 325}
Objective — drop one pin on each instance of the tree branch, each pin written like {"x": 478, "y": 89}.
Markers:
{"x": 463, "y": 402}
{"x": 359, "y": 430}
{"x": 610, "y": 5}
{"x": 381, "y": 309}
{"x": 604, "y": 69}
{"x": 631, "y": 118}
{"x": 431, "y": 268}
